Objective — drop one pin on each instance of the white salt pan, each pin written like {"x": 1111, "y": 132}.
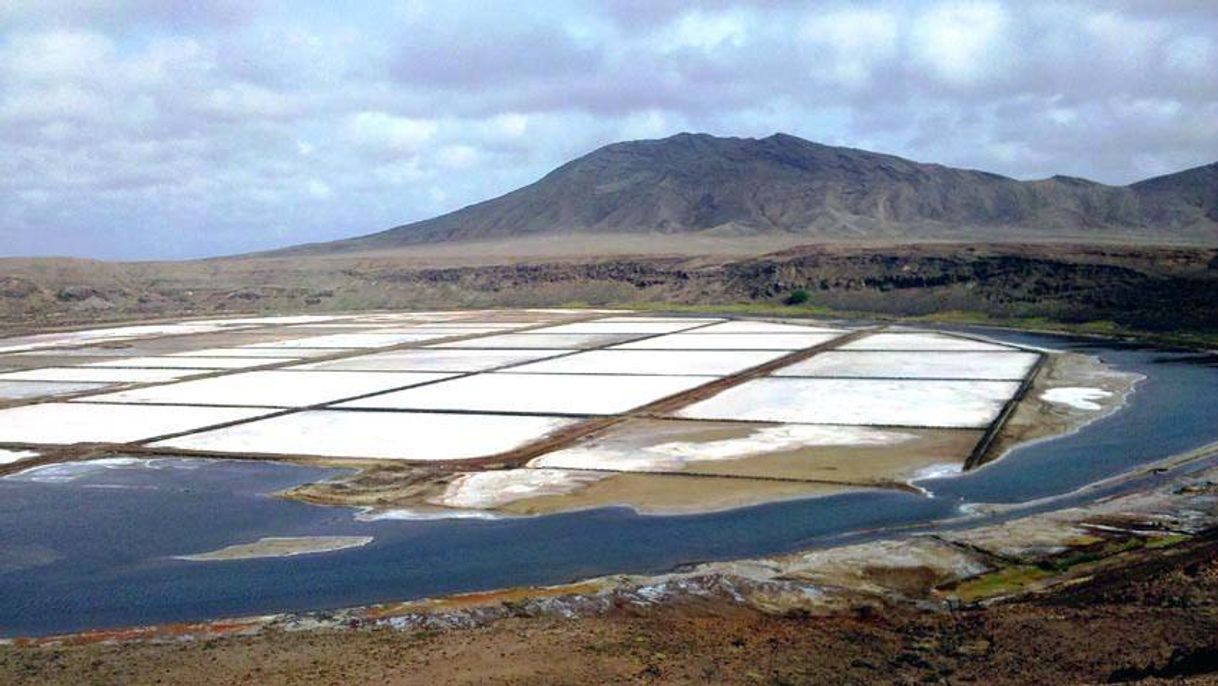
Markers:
{"x": 274, "y": 388}
{"x": 171, "y": 362}
{"x": 747, "y": 326}
{"x": 949, "y": 404}
{"x": 287, "y": 319}
{"x": 673, "y": 456}
{"x": 536, "y": 393}
{"x": 706, "y": 362}
{"x": 247, "y": 351}
{"x": 921, "y": 341}
{"x": 434, "y": 360}
{"x": 730, "y": 341}
{"x": 915, "y": 365}
{"x": 484, "y": 490}
{"x": 351, "y": 340}
{"x": 692, "y": 321}
{"x": 381, "y": 435}
{"x": 636, "y": 327}
{"x": 65, "y": 423}
{"x": 538, "y": 340}
{"x": 1077, "y": 397}
{"x": 119, "y": 333}
{"x": 19, "y": 390}
{"x": 11, "y": 456}
{"x": 89, "y": 373}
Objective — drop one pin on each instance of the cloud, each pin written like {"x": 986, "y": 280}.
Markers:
{"x": 134, "y": 128}
{"x": 379, "y": 131}
{"x": 961, "y": 43}
{"x": 850, "y": 45}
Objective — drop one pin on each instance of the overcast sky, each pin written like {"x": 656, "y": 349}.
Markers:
{"x": 167, "y": 128}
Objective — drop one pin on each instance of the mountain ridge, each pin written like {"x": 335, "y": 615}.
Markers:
{"x": 783, "y": 184}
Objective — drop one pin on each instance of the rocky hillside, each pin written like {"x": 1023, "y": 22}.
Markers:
{"x": 784, "y": 184}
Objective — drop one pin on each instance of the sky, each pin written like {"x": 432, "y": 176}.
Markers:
{"x": 165, "y": 129}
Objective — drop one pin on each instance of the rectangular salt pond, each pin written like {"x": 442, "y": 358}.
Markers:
{"x": 282, "y": 320}
{"x": 247, "y": 351}
{"x": 539, "y": 340}
{"x": 921, "y": 341}
{"x": 657, "y": 362}
{"x": 23, "y": 390}
{"x": 67, "y": 423}
{"x": 535, "y": 393}
{"x": 275, "y": 388}
{"x": 433, "y": 360}
{"x": 90, "y": 336}
{"x": 626, "y": 326}
{"x": 171, "y": 362}
{"x": 381, "y": 435}
{"x": 692, "y": 321}
{"x": 352, "y": 340}
{"x": 730, "y": 341}
{"x": 747, "y": 326}
{"x": 873, "y": 402}
{"x": 97, "y": 374}
{"x": 915, "y": 365}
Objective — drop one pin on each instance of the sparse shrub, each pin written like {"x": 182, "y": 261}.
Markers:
{"x": 798, "y": 296}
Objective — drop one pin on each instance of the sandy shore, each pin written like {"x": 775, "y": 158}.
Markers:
{"x": 286, "y": 546}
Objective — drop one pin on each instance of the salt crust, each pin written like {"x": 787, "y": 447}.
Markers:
{"x": 876, "y": 402}
{"x": 380, "y": 435}
{"x": 275, "y": 388}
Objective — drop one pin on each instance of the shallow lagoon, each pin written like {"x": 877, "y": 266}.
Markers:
{"x": 94, "y": 548}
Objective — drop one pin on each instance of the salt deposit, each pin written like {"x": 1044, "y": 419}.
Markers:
{"x": 418, "y": 436}
{"x": 11, "y": 456}
{"x": 66, "y": 423}
{"x": 538, "y": 340}
{"x": 536, "y": 393}
{"x": 485, "y": 490}
{"x": 730, "y": 341}
{"x": 915, "y": 365}
{"x": 21, "y": 390}
{"x": 674, "y": 362}
{"x": 747, "y": 326}
{"x": 921, "y": 341}
{"x": 673, "y": 456}
{"x": 248, "y": 351}
{"x": 351, "y": 340}
{"x": 434, "y": 360}
{"x": 1077, "y": 397}
{"x": 103, "y": 375}
{"x": 91, "y": 336}
{"x": 947, "y": 404}
{"x": 183, "y": 362}
{"x": 624, "y": 326}
{"x": 276, "y": 388}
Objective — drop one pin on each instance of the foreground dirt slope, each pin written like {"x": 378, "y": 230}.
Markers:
{"x": 1153, "y": 620}
{"x": 1144, "y": 288}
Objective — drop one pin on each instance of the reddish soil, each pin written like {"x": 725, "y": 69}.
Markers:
{"x": 1153, "y": 620}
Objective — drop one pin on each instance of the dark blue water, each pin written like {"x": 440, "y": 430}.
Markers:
{"x": 96, "y": 550}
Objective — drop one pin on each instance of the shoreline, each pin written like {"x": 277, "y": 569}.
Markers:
{"x": 800, "y": 581}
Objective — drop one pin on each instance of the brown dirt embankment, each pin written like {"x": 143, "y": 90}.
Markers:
{"x": 1146, "y": 288}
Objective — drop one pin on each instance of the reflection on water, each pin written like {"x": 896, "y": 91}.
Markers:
{"x": 90, "y": 545}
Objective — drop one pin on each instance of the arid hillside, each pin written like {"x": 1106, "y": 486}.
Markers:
{"x": 784, "y": 186}
{"x": 1149, "y": 289}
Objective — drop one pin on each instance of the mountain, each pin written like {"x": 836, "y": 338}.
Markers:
{"x": 697, "y": 183}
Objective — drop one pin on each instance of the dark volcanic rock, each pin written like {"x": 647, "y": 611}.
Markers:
{"x": 782, "y": 184}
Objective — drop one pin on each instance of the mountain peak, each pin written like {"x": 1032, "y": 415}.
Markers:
{"x": 698, "y": 183}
